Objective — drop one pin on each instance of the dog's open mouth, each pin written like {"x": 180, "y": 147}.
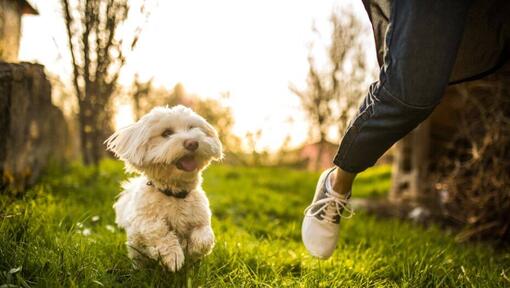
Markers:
{"x": 187, "y": 163}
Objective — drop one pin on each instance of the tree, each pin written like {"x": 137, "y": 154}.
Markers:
{"x": 145, "y": 96}
{"x": 332, "y": 94}
{"x": 98, "y": 48}
{"x": 140, "y": 92}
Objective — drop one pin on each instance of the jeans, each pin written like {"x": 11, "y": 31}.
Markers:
{"x": 422, "y": 41}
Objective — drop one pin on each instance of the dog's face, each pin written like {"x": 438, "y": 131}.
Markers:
{"x": 171, "y": 138}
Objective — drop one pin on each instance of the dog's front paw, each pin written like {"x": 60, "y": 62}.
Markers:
{"x": 201, "y": 241}
{"x": 174, "y": 260}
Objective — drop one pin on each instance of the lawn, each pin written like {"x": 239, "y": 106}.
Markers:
{"x": 61, "y": 233}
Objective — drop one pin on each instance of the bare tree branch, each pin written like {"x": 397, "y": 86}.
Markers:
{"x": 76, "y": 71}
{"x": 98, "y": 56}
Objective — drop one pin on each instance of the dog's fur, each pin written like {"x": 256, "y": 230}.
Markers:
{"x": 158, "y": 226}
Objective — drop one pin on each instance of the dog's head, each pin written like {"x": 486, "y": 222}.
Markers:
{"x": 175, "y": 138}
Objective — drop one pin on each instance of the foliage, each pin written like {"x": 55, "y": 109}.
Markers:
{"x": 145, "y": 96}
{"x": 332, "y": 94}
{"x": 98, "y": 43}
{"x": 51, "y": 238}
{"x": 473, "y": 172}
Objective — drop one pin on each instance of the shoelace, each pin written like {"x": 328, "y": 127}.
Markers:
{"x": 332, "y": 205}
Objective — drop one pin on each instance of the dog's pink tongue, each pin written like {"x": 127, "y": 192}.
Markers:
{"x": 187, "y": 164}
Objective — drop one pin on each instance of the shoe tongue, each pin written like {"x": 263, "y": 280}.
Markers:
{"x": 187, "y": 163}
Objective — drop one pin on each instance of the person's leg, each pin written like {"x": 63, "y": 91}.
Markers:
{"x": 422, "y": 42}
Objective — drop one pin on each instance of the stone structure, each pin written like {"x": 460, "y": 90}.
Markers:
{"x": 10, "y": 27}
{"x": 32, "y": 130}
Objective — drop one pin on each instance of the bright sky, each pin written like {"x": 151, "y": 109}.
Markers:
{"x": 252, "y": 49}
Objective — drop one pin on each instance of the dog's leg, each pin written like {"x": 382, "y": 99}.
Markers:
{"x": 157, "y": 242}
{"x": 201, "y": 241}
{"x": 170, "y": 251}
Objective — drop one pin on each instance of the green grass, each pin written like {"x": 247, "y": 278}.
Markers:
{"x": 257, "y": 217}
{"x": 374, "y": 182}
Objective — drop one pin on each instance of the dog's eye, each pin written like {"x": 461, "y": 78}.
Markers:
{"x": 167, "y": 133}
{"x": 191, "y": 127}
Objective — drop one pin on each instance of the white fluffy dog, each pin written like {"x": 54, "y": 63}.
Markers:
{"x": 165, "y": 212}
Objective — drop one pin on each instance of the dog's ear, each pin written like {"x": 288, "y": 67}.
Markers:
{"x": 128, "y": 143}
{"x": 211, "y": 132}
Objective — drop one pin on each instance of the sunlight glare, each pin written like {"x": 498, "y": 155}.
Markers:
{"x": 124, "y": 116}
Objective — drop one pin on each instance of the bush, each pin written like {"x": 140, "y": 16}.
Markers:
{"x": 474, "y": 185}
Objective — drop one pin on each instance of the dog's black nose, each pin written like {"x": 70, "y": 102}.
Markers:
{"x": 190, "y": 145}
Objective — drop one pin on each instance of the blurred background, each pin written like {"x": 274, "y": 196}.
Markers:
{"x": 251, "y": 60}
{"x": 278, "y": 79}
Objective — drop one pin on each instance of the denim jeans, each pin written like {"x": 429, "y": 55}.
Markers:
{"x": 421, "y": 42}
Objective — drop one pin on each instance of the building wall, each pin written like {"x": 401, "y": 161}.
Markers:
{"x": 10, "y": 30}
{"x": 310, "y": 153}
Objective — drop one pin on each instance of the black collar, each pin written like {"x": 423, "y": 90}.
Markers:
{"x": 169, "y": 192}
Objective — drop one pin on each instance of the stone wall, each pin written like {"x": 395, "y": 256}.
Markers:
{"x": 32, "y": 130}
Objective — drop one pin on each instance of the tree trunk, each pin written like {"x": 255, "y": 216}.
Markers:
{"x": 90, "y": 148}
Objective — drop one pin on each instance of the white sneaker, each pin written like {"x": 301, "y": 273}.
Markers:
{"x": 322, "y": 218}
